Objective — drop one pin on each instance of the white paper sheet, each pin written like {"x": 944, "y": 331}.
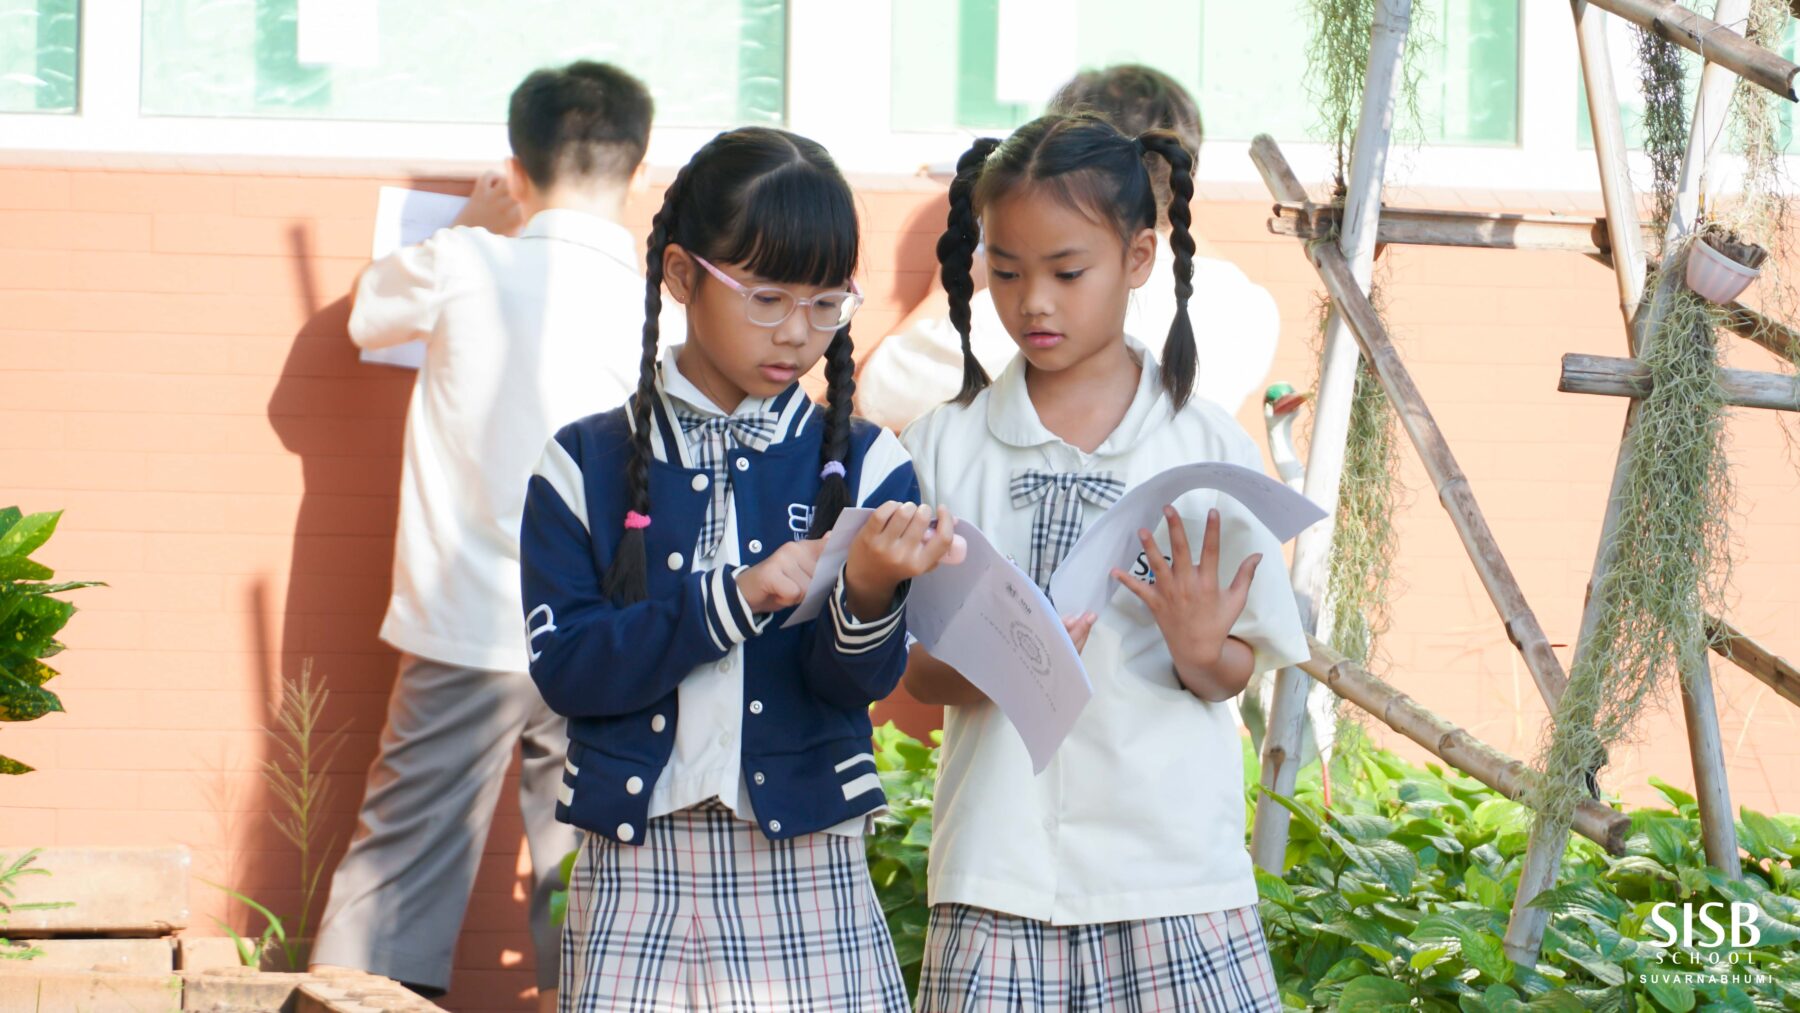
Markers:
{"x": 985, "y": 618}
{"x": 1083, "y": 580}
{"x": 404, "y": 217}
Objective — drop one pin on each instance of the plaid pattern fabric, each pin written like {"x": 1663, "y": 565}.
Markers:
{"x": 710, "y": 438}
{"x": 977, "y": 960}
{"x": 1057, "y": 522}
{"x": 710, "y": 915}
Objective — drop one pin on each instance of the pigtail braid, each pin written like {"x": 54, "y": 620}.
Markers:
{"x": 627, "y": 580}
{"x": 834, "y": 450}
{"x": 956, "y": 254}
{"x": 1179, "y": 358}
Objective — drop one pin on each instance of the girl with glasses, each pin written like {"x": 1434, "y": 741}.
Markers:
{"x": 719, "y": 761}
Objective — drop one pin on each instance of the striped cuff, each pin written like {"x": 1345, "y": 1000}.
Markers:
{"x": 729, "y": 620}
{"x": 855, "y": 636}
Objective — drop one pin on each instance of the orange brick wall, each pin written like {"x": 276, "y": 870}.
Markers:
{"x": 174, "y": 374}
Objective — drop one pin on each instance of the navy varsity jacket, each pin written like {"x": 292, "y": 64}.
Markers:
{"x": 614, "y": 671}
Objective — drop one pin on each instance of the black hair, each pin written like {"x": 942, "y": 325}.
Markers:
{"x": 1136, "y": 99}
{"x": 776, "y": 204}
{"x": 583, "y": 121}
{"x": 1083, "y": 162}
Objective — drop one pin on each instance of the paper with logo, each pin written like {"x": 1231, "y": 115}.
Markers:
{"x": 1083, "y": 580}
{"x": 404, "y": 217}
{"x": 985, "y": 618}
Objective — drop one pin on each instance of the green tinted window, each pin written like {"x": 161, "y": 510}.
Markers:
{"x": 708, "y": 62}
{"x": 38, "y": 55}
{"x": 1244, "y": 62}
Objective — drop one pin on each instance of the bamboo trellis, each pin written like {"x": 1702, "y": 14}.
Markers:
{"x": 1617, "y": 239}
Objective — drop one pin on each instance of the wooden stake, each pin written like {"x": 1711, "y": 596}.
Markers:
{"x": 1622, "y": 228}
{"x": 1711, "y": 788}
{"x": 1429, "y": 227}
{"x": 1782, "y": 341}
{"x": 1754, "y": 658}
{"x": 1602, "y": 374}
{"x": 1594, "y": 820}
{"x": 1355, "y": 250}
{"x": 1440, "y": 463}
{"x": 1710, "y": 39}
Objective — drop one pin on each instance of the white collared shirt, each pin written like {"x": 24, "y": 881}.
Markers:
{"x": 1140, "y": 814}
{"x": 522, "y": 335}
{"x": 709, "y": 730}
{"x": 1235, "y": 323}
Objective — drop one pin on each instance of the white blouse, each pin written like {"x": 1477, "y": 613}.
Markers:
{"x": 1141, "y": 812}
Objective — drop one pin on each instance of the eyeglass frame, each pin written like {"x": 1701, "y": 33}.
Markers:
{"x": 747, "y": 291}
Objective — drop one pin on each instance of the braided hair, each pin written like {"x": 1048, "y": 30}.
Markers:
{"x": 775, "y": 203}
{"x": 1083, "y": 162}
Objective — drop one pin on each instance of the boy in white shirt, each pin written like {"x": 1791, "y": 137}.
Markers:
{"x": 522, "y": 334}
{"x": 920, "y": 367}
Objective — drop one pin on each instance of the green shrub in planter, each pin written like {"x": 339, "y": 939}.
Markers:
{"x": 29, "y": 621}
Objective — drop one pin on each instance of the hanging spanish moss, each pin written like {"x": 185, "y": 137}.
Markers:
{"x": 1665, "y": 121}
{"x": 1337, "y": 64}
{"x": 1670, "y": 557}
{"x": 1760, "y": 216}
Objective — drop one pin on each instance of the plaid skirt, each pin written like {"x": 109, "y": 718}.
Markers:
{"x": 708, "y": 914}
{"x": 978, "y": 960}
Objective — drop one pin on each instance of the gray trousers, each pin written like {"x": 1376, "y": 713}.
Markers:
{"x": 398, "y": 898}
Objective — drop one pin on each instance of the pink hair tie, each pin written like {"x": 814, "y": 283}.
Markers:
{"x": 832, "y": 468}
{"x": 635, "y": 521}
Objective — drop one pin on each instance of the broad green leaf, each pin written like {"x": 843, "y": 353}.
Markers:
{"x": 1301, "y": 812}
{"x": 1273, "y": 888}
{"x": 1667, "y": 839}
{"x": 1374, "y": 995}
{"x": 32, "y": 628}
{"x": 22, "y": 701}
{"x": 20, "y": 568}
{"x": 12, "y": 766}
{"x": 1674, "y": 996}
{"x": 9, "y": 517}
{"x": 1777, "y": 836}
{"x": 566, "y": 868}
{"x": 559, "y": 906}
{"x": 1387, "y": 861}
{"x": 1676, "y": 796}
{"x": 1347, "y": 969}
{"x": 1558, "y": 1001}
{"x": 1428, "y": 956}
{"x": 1483, "y": 888}
{"x": 1502, "y": 815}
{"x": 1485, "y": 953}
{"x": 1363, "y": 829}
{"x": 23, "y": 538}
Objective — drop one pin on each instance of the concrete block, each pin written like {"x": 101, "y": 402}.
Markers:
{"x": 201, "y": 953}
{"x": 237, "y": 990}
{"x": 109, "y": 891}
{"x": 118, "y": 956}
{"x": 53, "y": 991}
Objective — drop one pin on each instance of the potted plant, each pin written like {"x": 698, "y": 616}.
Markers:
{"x": 1721, "y": 265}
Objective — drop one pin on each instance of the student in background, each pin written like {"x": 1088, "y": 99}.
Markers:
{"x": 1235, "y": 321}
{"x": 522, "y": 334}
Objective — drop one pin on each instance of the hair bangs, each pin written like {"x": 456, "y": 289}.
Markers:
{"x": 798, "y": 227}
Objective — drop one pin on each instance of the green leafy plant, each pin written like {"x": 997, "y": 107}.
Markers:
{"x": 1397, "y": 895}
{"x": 297, "y": 780}
{"x": 897, "y": 848}
{"x": 9, "y": 875}
{"x": 30, "y": 618}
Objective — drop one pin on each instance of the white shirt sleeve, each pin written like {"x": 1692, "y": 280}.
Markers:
{"x": 910, "y": 372}
{"x": 399, "y": 297}
{"x": 1270, "y": 623}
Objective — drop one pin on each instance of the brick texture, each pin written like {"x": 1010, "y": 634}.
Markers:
{"x": 176, "y": 376}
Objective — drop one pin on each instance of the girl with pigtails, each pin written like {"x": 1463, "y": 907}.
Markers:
{"x": 719, "y": 762}
{"x": 1117, "y": 879}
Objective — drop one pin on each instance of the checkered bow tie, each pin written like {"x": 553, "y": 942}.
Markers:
{"x": 711, "y": 438}
{"x": 1056, "y": 524}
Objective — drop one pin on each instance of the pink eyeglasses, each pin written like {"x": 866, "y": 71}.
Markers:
{"x": 768, "y": 306}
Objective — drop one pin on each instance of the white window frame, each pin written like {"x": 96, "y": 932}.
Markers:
{"x": 840, "y": 95}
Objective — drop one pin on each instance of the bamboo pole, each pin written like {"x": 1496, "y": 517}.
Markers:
{"x": 1782, "y": 341}
{"x": 1744, "y": 388}
{"x": 1711, "y": 40}
{"x": 1440, "y": 463}
{"x": 1537, "y": 873}
{"x": 1622, "y": 228}
{"x": 1716, "y": 85}
{"x": 1431, "y": 227}
{"x": 1776, "y": 672}
{"x": 1594, "y": 820}
{"x": 1355, "y": 249}
{"x": 1718, "y": 834}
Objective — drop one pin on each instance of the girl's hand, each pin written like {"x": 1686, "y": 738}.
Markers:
{"x": 1194, "y": 614}
{"x": 894, "y": 546}
{"x": 781, "y": 580}
{"x": 1079, "y": 627}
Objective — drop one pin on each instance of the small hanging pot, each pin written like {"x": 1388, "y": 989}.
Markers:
{"x": 1715, "y": 276}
